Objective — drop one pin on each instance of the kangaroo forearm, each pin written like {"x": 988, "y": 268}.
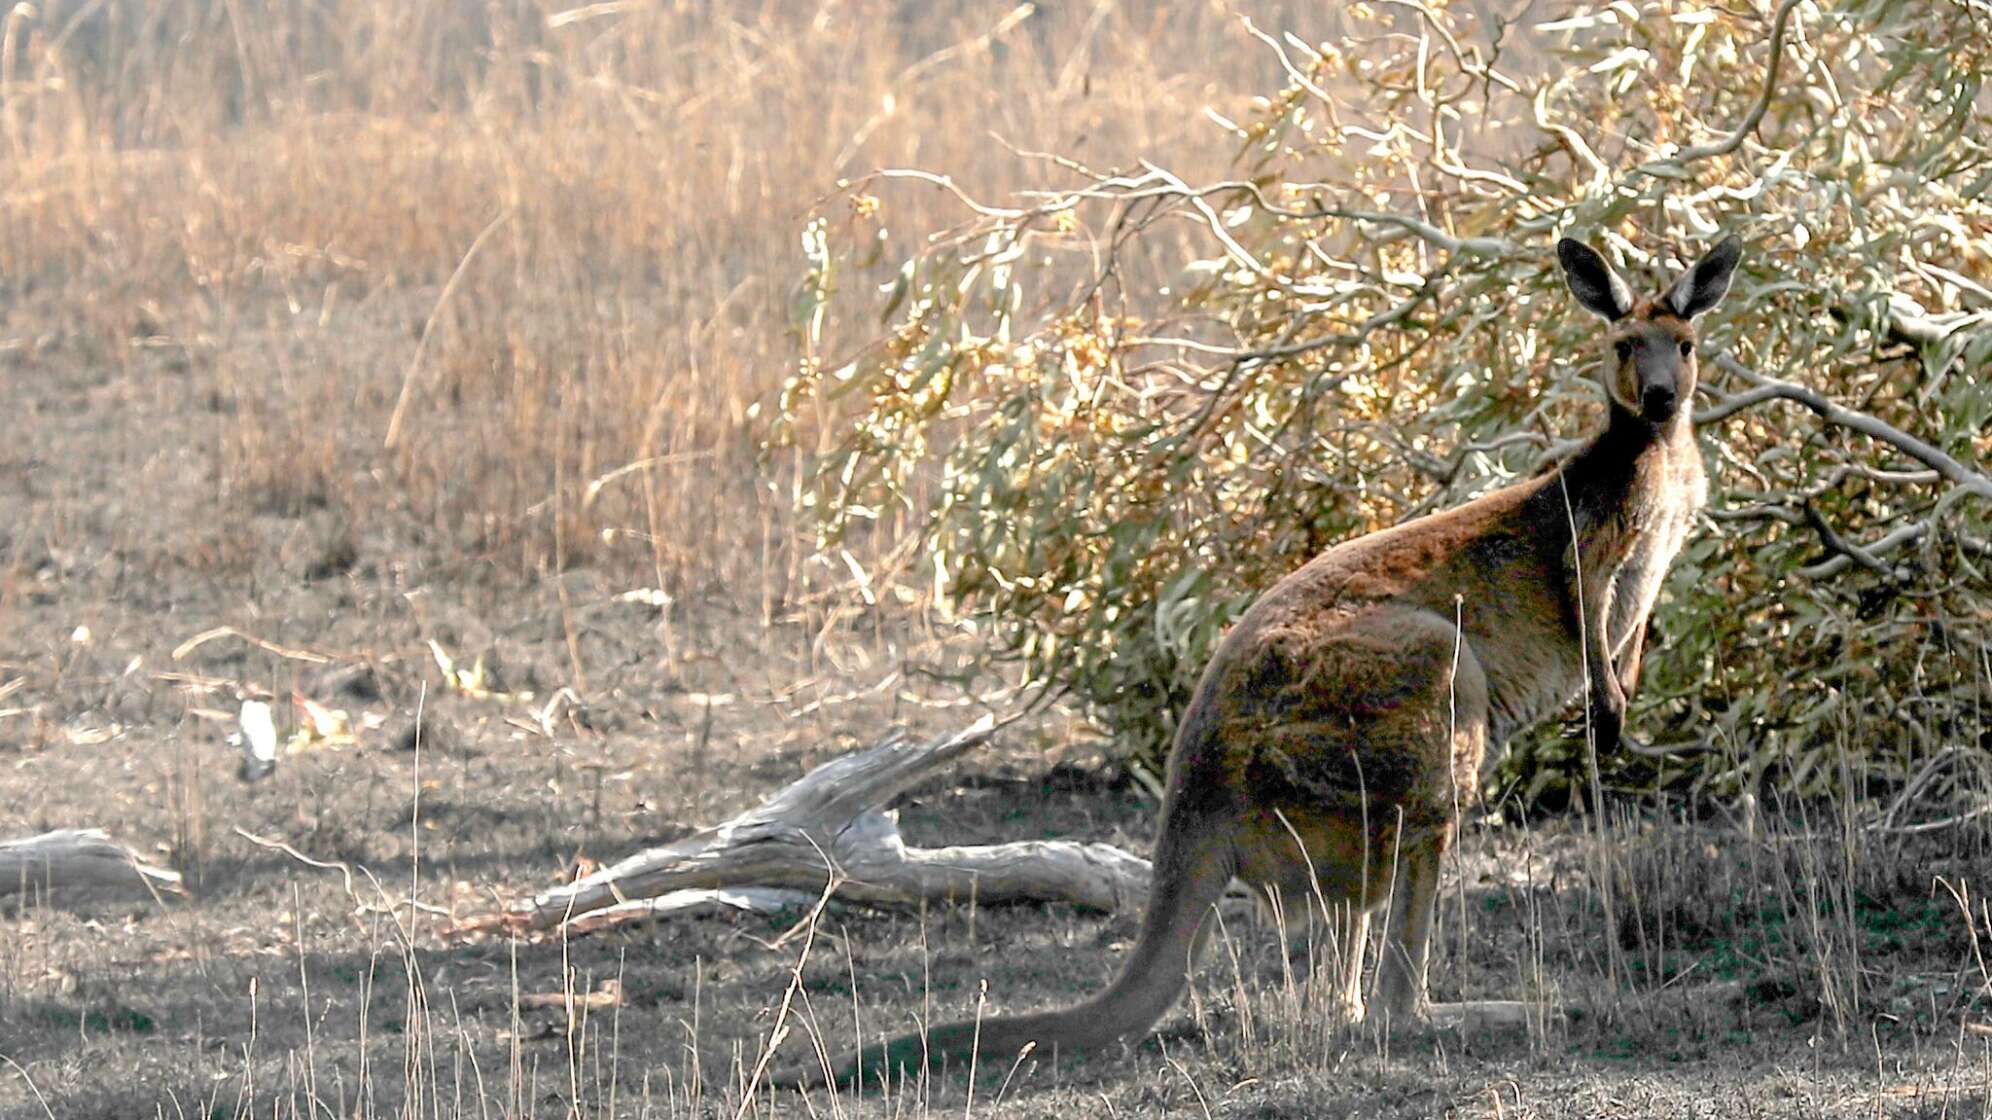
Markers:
{"x": 1607, "y": 713}
{"x": 1632, "y": 659}
{"x": 1608, "y": 693}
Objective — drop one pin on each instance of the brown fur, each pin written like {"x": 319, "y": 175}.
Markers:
{"x": 1344, "y": 721}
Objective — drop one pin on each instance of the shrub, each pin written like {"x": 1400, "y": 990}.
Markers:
{"x": 1119, "y": 407}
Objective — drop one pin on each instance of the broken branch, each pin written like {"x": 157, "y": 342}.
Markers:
{"x": 78, "y": 859}
{"x": 828, "y": 826}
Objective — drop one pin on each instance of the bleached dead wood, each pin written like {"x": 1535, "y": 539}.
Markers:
{"x": 830, "y": 824}
{"x": 78, "y": 859}
{"x": 677, "y": 904}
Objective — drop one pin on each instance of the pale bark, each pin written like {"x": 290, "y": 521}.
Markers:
{"x": 828, "y": 829}
{"x": 72, "y": 860}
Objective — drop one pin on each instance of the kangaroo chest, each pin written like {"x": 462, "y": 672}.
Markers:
{"x": 1623, "y": 555}
{"x": 1658, "y": 529}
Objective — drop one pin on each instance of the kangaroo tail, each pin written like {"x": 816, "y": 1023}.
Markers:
{"x": 1191, "y": 872}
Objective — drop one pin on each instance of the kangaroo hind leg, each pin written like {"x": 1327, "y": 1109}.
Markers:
{"x": 1307, "y": 865}
{"x": 1407, "y": 934}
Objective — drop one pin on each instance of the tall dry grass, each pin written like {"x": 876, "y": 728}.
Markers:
{"x": 560, "y": 240}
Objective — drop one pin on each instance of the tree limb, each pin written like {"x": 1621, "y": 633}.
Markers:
{"x": 78, "y": 859}
{"x": 829, "y": 828}
{"x": 1846, "y": 549}
{"x": 1771, "y": 388}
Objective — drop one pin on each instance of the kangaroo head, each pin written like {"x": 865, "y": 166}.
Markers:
{"x": 1652, "y": 370}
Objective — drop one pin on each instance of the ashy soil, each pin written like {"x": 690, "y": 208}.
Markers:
{"x": 323, "y": 980}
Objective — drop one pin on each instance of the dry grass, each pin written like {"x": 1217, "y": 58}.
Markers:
{"x": 232, "y": 235}
{"x": 569, "y": 237}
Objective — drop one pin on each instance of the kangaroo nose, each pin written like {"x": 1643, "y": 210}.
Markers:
{"x": 1657, "y": 401}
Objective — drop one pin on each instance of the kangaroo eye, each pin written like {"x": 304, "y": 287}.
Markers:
{"x": 1687, "y": 348}
{"x": 1624, "y": 349}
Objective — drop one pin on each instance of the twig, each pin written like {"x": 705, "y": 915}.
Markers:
{"x": 1425, "y": 231}
{"x": 1239, "y": 253}
{"x": 1762, "y": 511}
{"x": 1294, "y": 73}
{"x": 294, "y": 653}
{"x": 1868, "y": 556}
{"x": 1834, "y": 542}
{"x": 1483, "y": 70}
{"x": 1923, "y": 778}
{"x": 1953, "y": 821}
{"x": 780, "y": 1030}
{"x": 1572, "y": 142}
{"x": 32, "y": 1087}
{"x": 946, "y": 183}
{"x": 344, "y": 871}
{"x": 1666, "y": 750}
{"x": 1756, "y": 114}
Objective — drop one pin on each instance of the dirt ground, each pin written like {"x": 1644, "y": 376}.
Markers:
{"x": 279, "y": 988}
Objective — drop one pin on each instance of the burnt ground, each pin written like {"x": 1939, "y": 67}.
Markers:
{"x": 275, "y": 989}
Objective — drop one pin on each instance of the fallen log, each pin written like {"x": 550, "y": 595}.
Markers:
{"x": 78, "y": 859}
{"x": 829, "y": 830}
{"x": 748, "y": 900}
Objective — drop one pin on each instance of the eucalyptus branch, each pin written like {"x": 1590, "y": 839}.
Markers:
{"x": 1832, "y": 478}
{"x": 1844, "y": 549}
{"x": 1289, "y": 388}
{"x": 1771, "y": 388}
{"x": 1444, "y": 471}
{"x": 1760, "y": 511}
{"x": 1427, "y": 232}
{"x": 1482, "y": 70}
{"x": 1294, "y": 73}
{"x": 947, "y": 183}
{"x": 1357, "y": 337}
{"x": 1756, "y": 114}
{"x": 1912, "y": 324}
{"x": 1849, "y": 553}
{"x": 1239, "y": 253}
{"x": 1573, "y": 143}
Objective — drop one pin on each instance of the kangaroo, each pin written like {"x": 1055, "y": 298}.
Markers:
{"x": 1342, "y": 723}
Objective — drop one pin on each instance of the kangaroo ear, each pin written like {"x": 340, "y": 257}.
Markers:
{"x": 1704, "y": 285}
{"x": 1592, "y": 281}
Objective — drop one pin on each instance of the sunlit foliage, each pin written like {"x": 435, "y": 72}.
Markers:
{"x": 1120, "y": 407}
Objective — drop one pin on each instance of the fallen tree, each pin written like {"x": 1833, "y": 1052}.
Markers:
{"x": 828, "y": 834}
{"x": 78, "y": 859}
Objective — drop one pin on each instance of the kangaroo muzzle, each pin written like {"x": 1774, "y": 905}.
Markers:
{"x": 1658, "y": 403}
